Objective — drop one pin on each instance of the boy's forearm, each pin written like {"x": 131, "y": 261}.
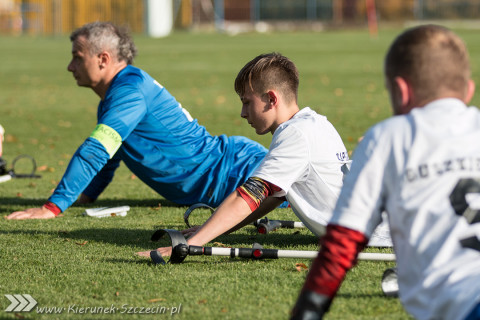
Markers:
{"x": 229, "y": 214}
{"x": 265, "y": 207}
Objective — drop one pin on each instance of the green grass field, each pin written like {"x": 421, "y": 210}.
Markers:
{"x": 77, "y": 262}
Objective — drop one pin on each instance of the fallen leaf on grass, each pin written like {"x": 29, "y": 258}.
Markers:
{"x": 19, "y": 316}
{"x": 81, "y": 243}
{"x": 219, "y": 244}
{"x": 19, "y": 194}
{"x": 157, "y": 207}
{"x": 45, "y": 168}
{"x": 64, "y": 124}
{"x": 42, "y": 168}
{"x": 156, "y": 300}
{"x": 117, "y": 293}
{"x": 220, "y": 100}
{"x": 11, "y": 138}
{"x": 301, "y": 267}
{"x": 203, "y": 301}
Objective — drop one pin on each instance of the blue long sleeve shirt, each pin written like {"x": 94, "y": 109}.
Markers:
{"x": 141, "y": 124}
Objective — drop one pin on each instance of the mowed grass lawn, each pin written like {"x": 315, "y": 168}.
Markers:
{"x": 75, "y": 262}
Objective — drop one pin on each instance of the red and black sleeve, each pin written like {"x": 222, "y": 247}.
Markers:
{"x": 338, "y": 254}
{"x": 255, "y": 190}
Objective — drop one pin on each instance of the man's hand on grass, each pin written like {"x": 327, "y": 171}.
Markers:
{"x": 32, "y": 213}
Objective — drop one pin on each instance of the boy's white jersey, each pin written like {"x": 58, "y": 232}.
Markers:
{"x": 424, "y": 170}
{"x": 305, "y": 160}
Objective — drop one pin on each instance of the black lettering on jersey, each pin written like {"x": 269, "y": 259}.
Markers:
{"x": 429, "y": 170}
{"x": 448, "y": 165}
{"x": 458, "y": 199}
{"x": 439, "y": 169}
{"x": 423, "y": 171}
{"x": 471, "y": 242}
{"x": 342, "y": 156}
{"x": 461, "y": 163}
{"x": 410, "y": 174}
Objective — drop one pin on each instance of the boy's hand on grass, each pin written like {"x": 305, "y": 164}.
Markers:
{"x": 167, "y": 251}
{"x": 32, "y": 213}
{"x": 164, "y": 251}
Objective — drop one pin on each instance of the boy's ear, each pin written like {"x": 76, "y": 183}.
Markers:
{"x": 403, "y": 91}
{"x": 272, "y": 97}
{"x": 404, "y": 95}
{"x": 470, "y": 91}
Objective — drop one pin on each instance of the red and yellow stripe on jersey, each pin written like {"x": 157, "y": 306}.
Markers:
{"x": 255, "y": 190}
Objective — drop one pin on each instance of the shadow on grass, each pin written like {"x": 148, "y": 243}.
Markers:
{"x": 271, "y": 240}
{"x": 117, "y": 236}
{"x": 127, "y": 202}
{"x": 140, "y": 240}
{"x": 142, "y": 237}
{"x": 31, "y": 203}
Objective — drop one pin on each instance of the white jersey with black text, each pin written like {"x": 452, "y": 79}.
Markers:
{"x": 423, "y": 169}
{"x": 305, "y": 160}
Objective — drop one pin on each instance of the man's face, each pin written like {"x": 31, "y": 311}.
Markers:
{"x": 255, "y": 109}
{"x": 84, "y": 66}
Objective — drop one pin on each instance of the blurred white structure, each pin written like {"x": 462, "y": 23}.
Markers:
{"x": 159, "y": 18}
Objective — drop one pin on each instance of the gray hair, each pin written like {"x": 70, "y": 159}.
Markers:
{"x": 107, "y": 36}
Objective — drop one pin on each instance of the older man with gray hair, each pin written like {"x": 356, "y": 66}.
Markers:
{"x": 140, "y": 123}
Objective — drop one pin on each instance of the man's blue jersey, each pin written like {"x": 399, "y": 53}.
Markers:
{"x": 160, "y": 143}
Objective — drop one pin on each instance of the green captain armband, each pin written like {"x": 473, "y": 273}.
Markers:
{"x": 109, "y": 138}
